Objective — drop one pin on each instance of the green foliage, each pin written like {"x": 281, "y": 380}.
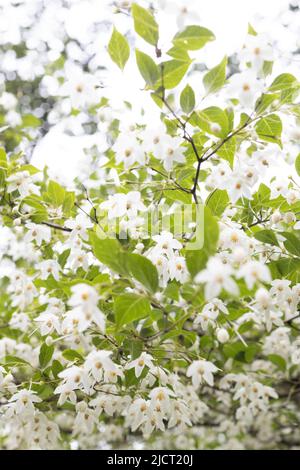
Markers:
{"x": 187, "y": 99}
{"x": 193, "y": 37}
{"x": 129, "y": 308}
{"x": 118, "y": 49}
{"x": 145, "y": 24}
{"x": 196, "y": 260}
{"x": 269, "y": 128}
{"x": 147, "y": 68}
{"x": 215, "y": 78}
{"x": 46, "y": 353}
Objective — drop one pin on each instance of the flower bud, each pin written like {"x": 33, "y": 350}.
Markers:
{"x": 49, "y": 341}
{"x": 222, "y": 335}
{"x": 276, "y": 217}
{"x": 289, "y": 217}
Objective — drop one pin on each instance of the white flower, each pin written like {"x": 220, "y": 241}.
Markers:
{"x": 84, "y": 296}
{"x": 98, "y": 362}
{"x": 2, "y": 372}
{"x": 23, "y": 182}
{"x": 166, "y": 243}
{"x": 74, "y": 378}
{"x": 292, "y": 197}
{"x": 254, "y": 271}
{"x": 79, "y": 226}
{"x": 217, "y": 276}
{"x": 128, "y": 150}
{"x": 137, "y": 413}
{"x": 23, "y": 401}
{"x": 49, "y": 267}
{"x": 295, "y": 358}
{"x": 162, "y": 265}
{"x": 39, "y": 233}
{"x": 121, "y": 204}
{"x": 256, "y": 50}
{"x": 202, "y": 371}
{"x": 48, "y": 323}
{"x": 78, "y": 259}
{"x": 160, "y": 399}
{"x": 172, "y": 152}
{"x": 178, "y": 269}
{"x": 245, "y": 87}
{"x": 237, "y": 186}
{"x": 222, "y": 335}
{"x": 80, "y": 87}
{"x": 143, "y": 360}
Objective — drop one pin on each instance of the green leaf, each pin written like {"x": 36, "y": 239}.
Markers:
{"x": 179, "y": 53}
{"x": 147, "y": 67}
{"x": 3, "y": 159}
{"x": 29, "y": 120}
{"x": 265, "y": 101}
{"x": 287, "y": 85}
{"x": 56, "y": 193}
{"x": 279, "y": 361}
{"x": 269, "y": 128}
{"x": 251, "y": 30}
{"x": 72, "y": 355}
{"x": 193, "y": 37}
{"x": 287, "y": 268}
{"x": 46, "y": 353}
{"x": 196, "y": 259}
{"x": 215, "y": 78}
{"x": 297, "y": 164}
{"x": 56, "y": 367}
{"x": 187, "y": 99}
{"x": 145, "y": 24}
{"x": 173, "y": 72}
{"x": 208, "y": 117}
{"x": 109, "y": 252}
{"x": 227, "y": 151}
{"x": 129, "y": 308}
{"x": 14, "y": 361}
{"x": 283, "y": 82}
{"x": 266, "y": 236}
{"x": 217, "y": 201}
{"x": 142, "y": 270}
{"x": 292, "y": 243}
{"x": 267, "y": 67}
{"x": 118, "y": 49}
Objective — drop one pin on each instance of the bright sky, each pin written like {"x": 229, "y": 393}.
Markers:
{"x": 228, "y": 19}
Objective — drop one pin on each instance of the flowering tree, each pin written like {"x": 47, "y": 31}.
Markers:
{"x": 123, "y": 321}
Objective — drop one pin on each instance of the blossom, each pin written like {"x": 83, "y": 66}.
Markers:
{"x": 172, "y": 152}
{"x": 23, "y": 182}
{"x": 79, "y": 226}
{"x": 49, "y": 322}
{"x": 178, "y": 269}
{"x": 79, "y": 87}
{"x": 166, "y": 243}
{"x": 49, "y": 267}
{"x": 201, "y": 371}
{"x": 22, "y": 402}
{"x": 254, "y": 271}
{"x": 84, "y": 296}
{"x": 256, "y": 51}
{"x": 245, "y": 87}
{"x": 98, "y": 362}
{"x": 122, "y": 204}
{"x": 39, "y": 233}
{"x": 138, "y": 364}
{"x": 128, "y": 150}
{"x": 216, "y": 277}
